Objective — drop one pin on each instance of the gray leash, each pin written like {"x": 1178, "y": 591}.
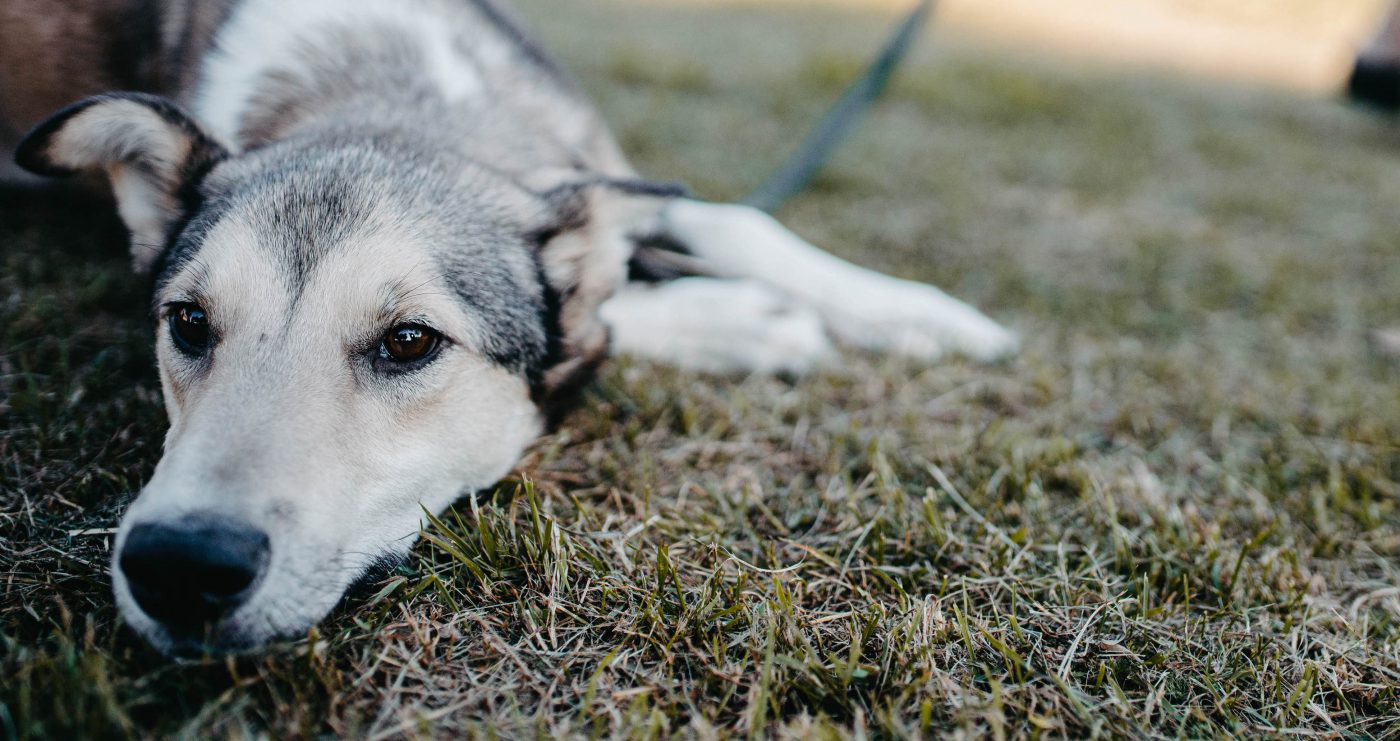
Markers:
{"x": 838, "y": 124}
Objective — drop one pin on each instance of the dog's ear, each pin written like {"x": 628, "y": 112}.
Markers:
{"x": 586, "y": 239}
{"x": 152, "y": 152}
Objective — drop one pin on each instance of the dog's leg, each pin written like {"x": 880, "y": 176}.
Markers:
{"x": 716, "y": 326}
{"x": 860, "y": 307}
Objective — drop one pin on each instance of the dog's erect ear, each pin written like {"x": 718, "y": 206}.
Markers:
{"x": 586, "y": 239}
{"x": 153, "y": 153}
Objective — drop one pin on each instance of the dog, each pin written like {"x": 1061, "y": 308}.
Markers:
{"x": 387, "y": 242}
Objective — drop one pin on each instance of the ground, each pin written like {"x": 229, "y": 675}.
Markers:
{"x": 1175, "y": 514}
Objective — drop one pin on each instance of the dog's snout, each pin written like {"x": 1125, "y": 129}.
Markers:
{"x": 192, "y": 573}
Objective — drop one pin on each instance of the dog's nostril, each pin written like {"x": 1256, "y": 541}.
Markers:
{"x": 193, "y": 572}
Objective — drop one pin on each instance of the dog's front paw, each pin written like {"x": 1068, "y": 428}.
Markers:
{"x": 994, "y": 344}
{"x": 860, "y": 307}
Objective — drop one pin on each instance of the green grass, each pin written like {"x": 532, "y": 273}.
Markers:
{"x": 1174, "y": 515}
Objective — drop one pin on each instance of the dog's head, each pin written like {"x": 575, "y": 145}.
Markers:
{"x": 350, "y": 330}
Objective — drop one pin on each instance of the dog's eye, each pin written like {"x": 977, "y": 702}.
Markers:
{"x": 409, "y": 343}
{"x": 189, "y": 326}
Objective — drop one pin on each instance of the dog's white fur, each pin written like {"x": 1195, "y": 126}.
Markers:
{"x": 718, "y": 326}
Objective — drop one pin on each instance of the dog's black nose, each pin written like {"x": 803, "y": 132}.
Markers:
{"x": 192, "y": 573}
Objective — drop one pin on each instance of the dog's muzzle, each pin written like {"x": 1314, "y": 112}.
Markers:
{"x": 191, "y": 574}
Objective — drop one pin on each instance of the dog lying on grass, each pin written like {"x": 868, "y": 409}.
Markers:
{"x": 387, "y": 240}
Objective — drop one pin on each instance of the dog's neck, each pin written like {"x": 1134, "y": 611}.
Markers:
{"x": 294, "y": 63}
{"x": 447, "y": 73}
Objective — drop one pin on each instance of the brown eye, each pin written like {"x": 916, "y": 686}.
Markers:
{"x": 189, "y": 326}
{"x": 409, "y": 343}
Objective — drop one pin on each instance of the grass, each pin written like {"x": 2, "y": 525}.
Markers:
{"x": 1174, "y": 515}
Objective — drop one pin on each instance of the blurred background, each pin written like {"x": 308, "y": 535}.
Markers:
{"x": 1302, "y": 44}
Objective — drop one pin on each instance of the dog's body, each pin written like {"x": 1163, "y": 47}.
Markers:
{"x": 387, "y": 239}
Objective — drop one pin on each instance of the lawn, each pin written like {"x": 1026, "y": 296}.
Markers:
{"x": 1175, "y": 514}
